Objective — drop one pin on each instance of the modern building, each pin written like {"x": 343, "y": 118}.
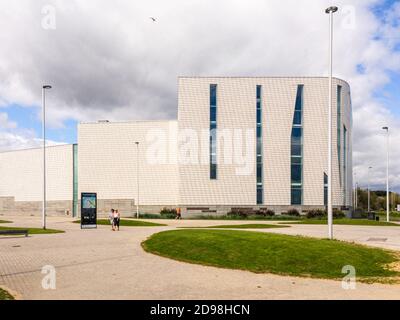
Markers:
{"x": 21, "y": 180}
{"x": 239, "y": 142}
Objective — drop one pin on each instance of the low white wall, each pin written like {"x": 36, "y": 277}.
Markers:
{"x": 21, "y": 174}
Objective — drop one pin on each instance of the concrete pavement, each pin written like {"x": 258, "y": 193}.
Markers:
{"x": 101, "y": 264}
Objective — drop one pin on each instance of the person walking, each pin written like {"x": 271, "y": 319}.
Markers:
{"x": 111, "y": 218}
{"x": 117, "y": 219}
{"x": 178, "y": 214}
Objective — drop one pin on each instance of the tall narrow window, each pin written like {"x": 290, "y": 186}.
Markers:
{"x": 259, "y": 155}
{"x": 213, "y": 131}
{"x": 297, "y": 150}
{"x": 325, "y": 189}
{"x": 344, "y": 164}
{"x": 339, "y": 126}
{"x": 75, "y": 180}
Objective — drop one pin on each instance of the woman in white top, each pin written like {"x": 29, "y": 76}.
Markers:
{"x": 111, "y": 218}
{"x": 116, "y": 219}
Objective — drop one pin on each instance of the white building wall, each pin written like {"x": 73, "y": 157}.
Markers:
{"x": 21, "y": 174}
{"x": 107, "y": 152}
{"x": 236, "y": 109}
{"x": 196, "y": 188}
{"x": 107, "y": 161}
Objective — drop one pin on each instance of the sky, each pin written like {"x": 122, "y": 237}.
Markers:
{"x": 109, "y": 60}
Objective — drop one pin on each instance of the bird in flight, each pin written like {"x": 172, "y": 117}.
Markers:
{"x": 154, "y": 19}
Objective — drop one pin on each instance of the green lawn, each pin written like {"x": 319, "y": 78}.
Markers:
{"x": 128, "y": 223}
{"x": 353, "y": 222}
{"x": 393, "y": 216}
{"x": 4, "y": 295}
{"x": 244, "y": 218}
{"x": 33, "y": 230}
{"x": 242, "y": 226}
{"x": 274, "y": 253}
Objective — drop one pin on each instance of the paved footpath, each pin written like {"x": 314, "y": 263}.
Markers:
{"x": 101, "y": 264}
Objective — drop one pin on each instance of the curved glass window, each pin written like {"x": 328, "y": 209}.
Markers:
{"x": 344, "y": 164}
{"x": 296, "y": 154}
{"x": 259, "y": 151}
{"x": 325, "y": 189}
{"x": 339, "y": 125}
{"x": 213, "y": 131}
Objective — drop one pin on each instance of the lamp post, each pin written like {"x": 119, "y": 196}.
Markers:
{"x": 387, "y": 174}
{"x": 44, "y": 88}
{"x": 369, "y": 196}
{"x": 137, "y": 178}
{"x": 355, "y": 192}
{"x": 356, "y": 195}
{"x": 330, "y": 11}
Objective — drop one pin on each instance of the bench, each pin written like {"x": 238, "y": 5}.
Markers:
{"x": 14, "y": 232}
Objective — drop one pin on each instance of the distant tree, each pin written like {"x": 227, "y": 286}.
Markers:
{"x": 378, "y": 199}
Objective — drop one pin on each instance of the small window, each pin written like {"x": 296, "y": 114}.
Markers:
{"x": 296, "y": 172}
{"x": 296, "y": 150}
{"x": 297, "y": 118}
{"x": 213, "y": 95}
{"x": 259, "y": 132}
{"x": 299, "y": 98}
{"x": 260, "y": 197}
{"x": 296, "y": 195}
{"x": 259, "y": 172}
{"x": 213, "y": 171}
{"x": 259, "y": 116}
{"x": 213, "y": 114}
{"x": 259, "y": 88}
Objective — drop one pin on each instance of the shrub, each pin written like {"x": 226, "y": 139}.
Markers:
{"x": 168, "y": 213}
{"x": 338, "y": 214}
{"x": 269, "y": 213}
{"x": 314, "y": 214}
{"x": 293, "y": 213}
{"x": 239, "y": 212}
{"x": 155, "y": 216}
{"x": 264, "y": 212}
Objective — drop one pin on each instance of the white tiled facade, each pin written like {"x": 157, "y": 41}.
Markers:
{"x": 174, "y": 158}
{"x": 236, "y": 109}
{"x": 107, "y": 161}
{"x": 21, "y": 182}
{"x": 21, "y": 174}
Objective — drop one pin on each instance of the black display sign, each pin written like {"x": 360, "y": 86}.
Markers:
{"x": 88, "y": 210}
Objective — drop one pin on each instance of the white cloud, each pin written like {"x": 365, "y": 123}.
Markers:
{"x": 5, "y": 123}
{"x": 108, "y": 60}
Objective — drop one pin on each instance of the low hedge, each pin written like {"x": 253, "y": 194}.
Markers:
{"x": 245, "y": 213}
{"x": 321, "y": 214}
{"x": 293, "y": 213}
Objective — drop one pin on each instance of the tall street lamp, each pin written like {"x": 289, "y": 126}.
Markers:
{"x": 387, "y": 174}
{"x": 369, "y": 190}
{"x": 330, "y": 11}
{"x": 356, "y": 195}
{"x": 137, "y": 179}
{"x": 355, "y": 192}
{"x": 44, "y": 88}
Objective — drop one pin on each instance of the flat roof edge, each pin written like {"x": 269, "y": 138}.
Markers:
{"x": 258, "y": 77}
{"x": 125, "y": 121}
{"x": 38, "y": 148}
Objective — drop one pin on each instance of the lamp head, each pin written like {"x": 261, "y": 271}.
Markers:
{"x": 136, "y": 142}
{"x": 385, "y": 128}
{"x": 332, "y": 9}
{"x": 47, "y": 87}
